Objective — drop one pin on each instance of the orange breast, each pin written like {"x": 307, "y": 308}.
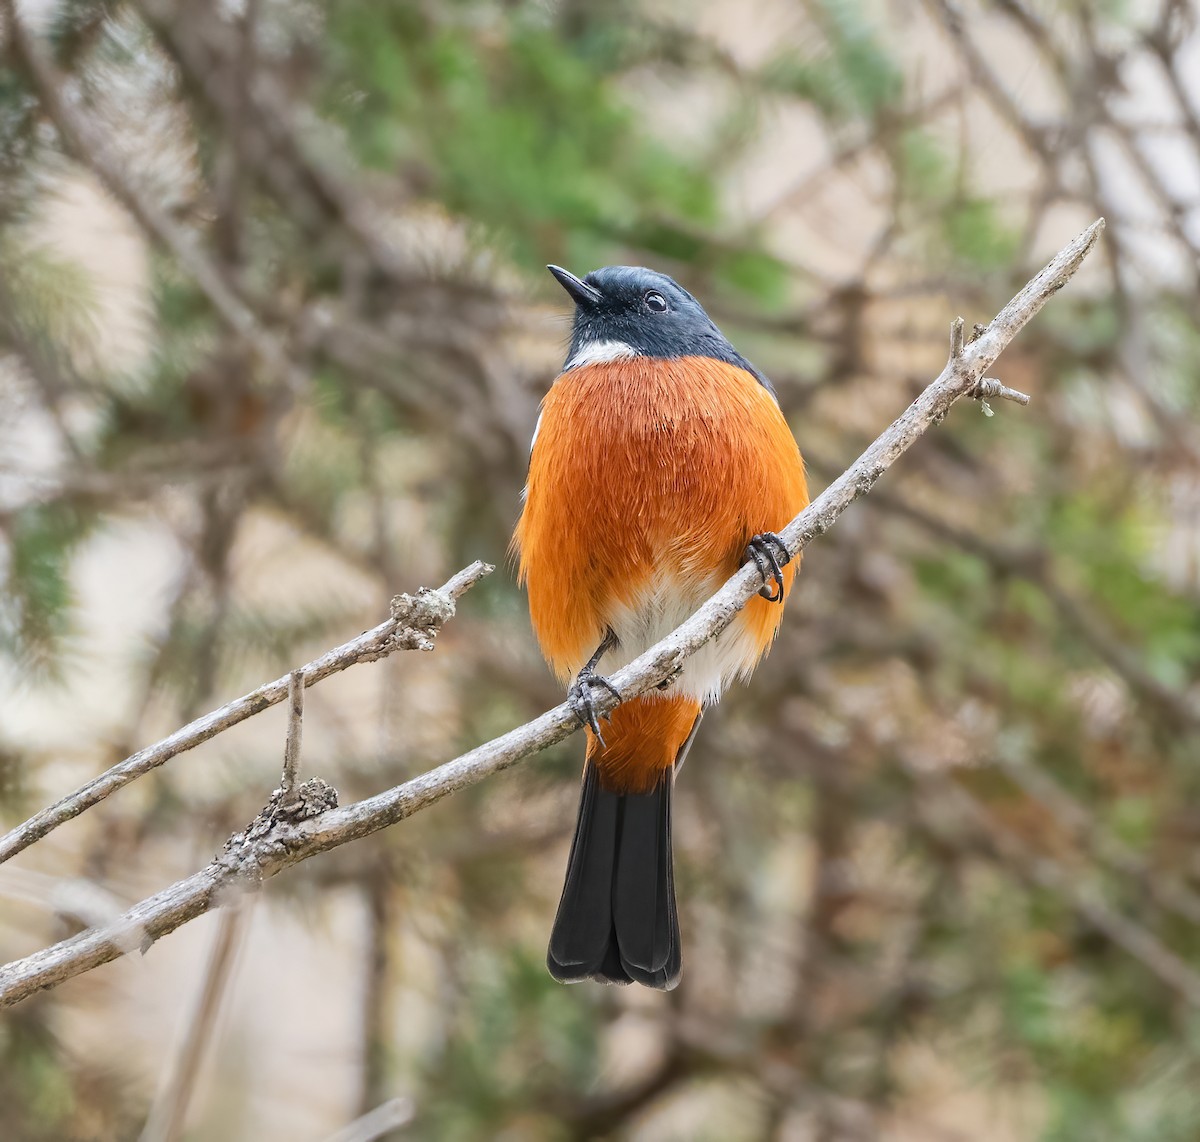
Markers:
{"x": 644, "y": 472}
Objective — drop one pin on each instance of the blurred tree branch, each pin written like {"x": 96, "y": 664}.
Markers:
{"x": 275, "y": 841}
{"x": 388, "y": 1116}
{"x": 1040, "y": 870}
{"x": 89, "y": 144}
{"x": 1037, "y": 566}
{"x": 168, "y": 1113}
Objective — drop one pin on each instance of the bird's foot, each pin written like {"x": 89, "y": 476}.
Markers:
{"x": 769, "y": 554}
{"x": 582, "y": 701}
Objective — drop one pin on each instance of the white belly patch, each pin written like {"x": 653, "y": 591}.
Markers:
{"x": 665, "y": 604}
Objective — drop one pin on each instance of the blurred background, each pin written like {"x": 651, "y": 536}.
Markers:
{"x": 273, "y": 332}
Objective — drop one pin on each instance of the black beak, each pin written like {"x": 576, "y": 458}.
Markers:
{"x": 581, "y": 293}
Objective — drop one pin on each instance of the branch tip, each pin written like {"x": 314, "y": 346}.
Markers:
{"x": 460, "y": 583}
{"x": 1038, "y": 290}
{"x": 419, "y": 617}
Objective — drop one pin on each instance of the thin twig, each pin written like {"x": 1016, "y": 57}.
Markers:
{"x": 270, "y": 845}
{"x": 989, "y": 388}
{"x": 295, "y": 730}
{"x": 379, "y": 888}
{"x": 412, "y": 626}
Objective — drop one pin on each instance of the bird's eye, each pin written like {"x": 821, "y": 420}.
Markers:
{"x": 655, "y": 302}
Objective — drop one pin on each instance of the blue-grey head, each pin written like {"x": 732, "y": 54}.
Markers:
{"x": 630, "y": 311}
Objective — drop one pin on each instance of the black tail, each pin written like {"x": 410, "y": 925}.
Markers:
{"x": 616, "y": 920}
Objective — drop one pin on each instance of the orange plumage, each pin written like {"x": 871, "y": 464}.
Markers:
{"x": 647, "y": 479}
{"x": 642, "y": 740}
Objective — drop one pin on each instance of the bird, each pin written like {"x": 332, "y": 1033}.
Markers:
{"x": 660, "y": 463}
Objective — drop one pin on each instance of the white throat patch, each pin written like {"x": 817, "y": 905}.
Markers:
{"x": 600, "y": 352}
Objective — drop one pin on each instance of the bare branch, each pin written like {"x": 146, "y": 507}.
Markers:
{"x": 414, "y": 623}
{"x": 275, "y": 841}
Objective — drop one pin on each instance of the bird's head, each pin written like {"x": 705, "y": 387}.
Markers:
{"x": 631, "y": 311}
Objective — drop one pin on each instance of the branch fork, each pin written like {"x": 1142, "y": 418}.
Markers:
{"x": 986, "y": 388}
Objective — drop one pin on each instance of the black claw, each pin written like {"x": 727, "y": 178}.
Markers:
{"x": 760, "y": 561}
{"x": 583, "y": 705}
{"x": 770, "y": 555}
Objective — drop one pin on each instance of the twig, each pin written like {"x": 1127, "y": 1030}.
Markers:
{"x": 273, "y": 843}
{"x": 1033, "y": 135}
{"x": 988, "y": 388}
{"x": 414, "y": 623}
{"x": 168, "y": 1113}
{"x": 295, "y": 730}
{"x": 978, "y": 824}
{"x": 956, "y": 339}
{"x": 393, "y": 1114}
{"x": 605, "y": 1114}
{"x": 275, "y": 142}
